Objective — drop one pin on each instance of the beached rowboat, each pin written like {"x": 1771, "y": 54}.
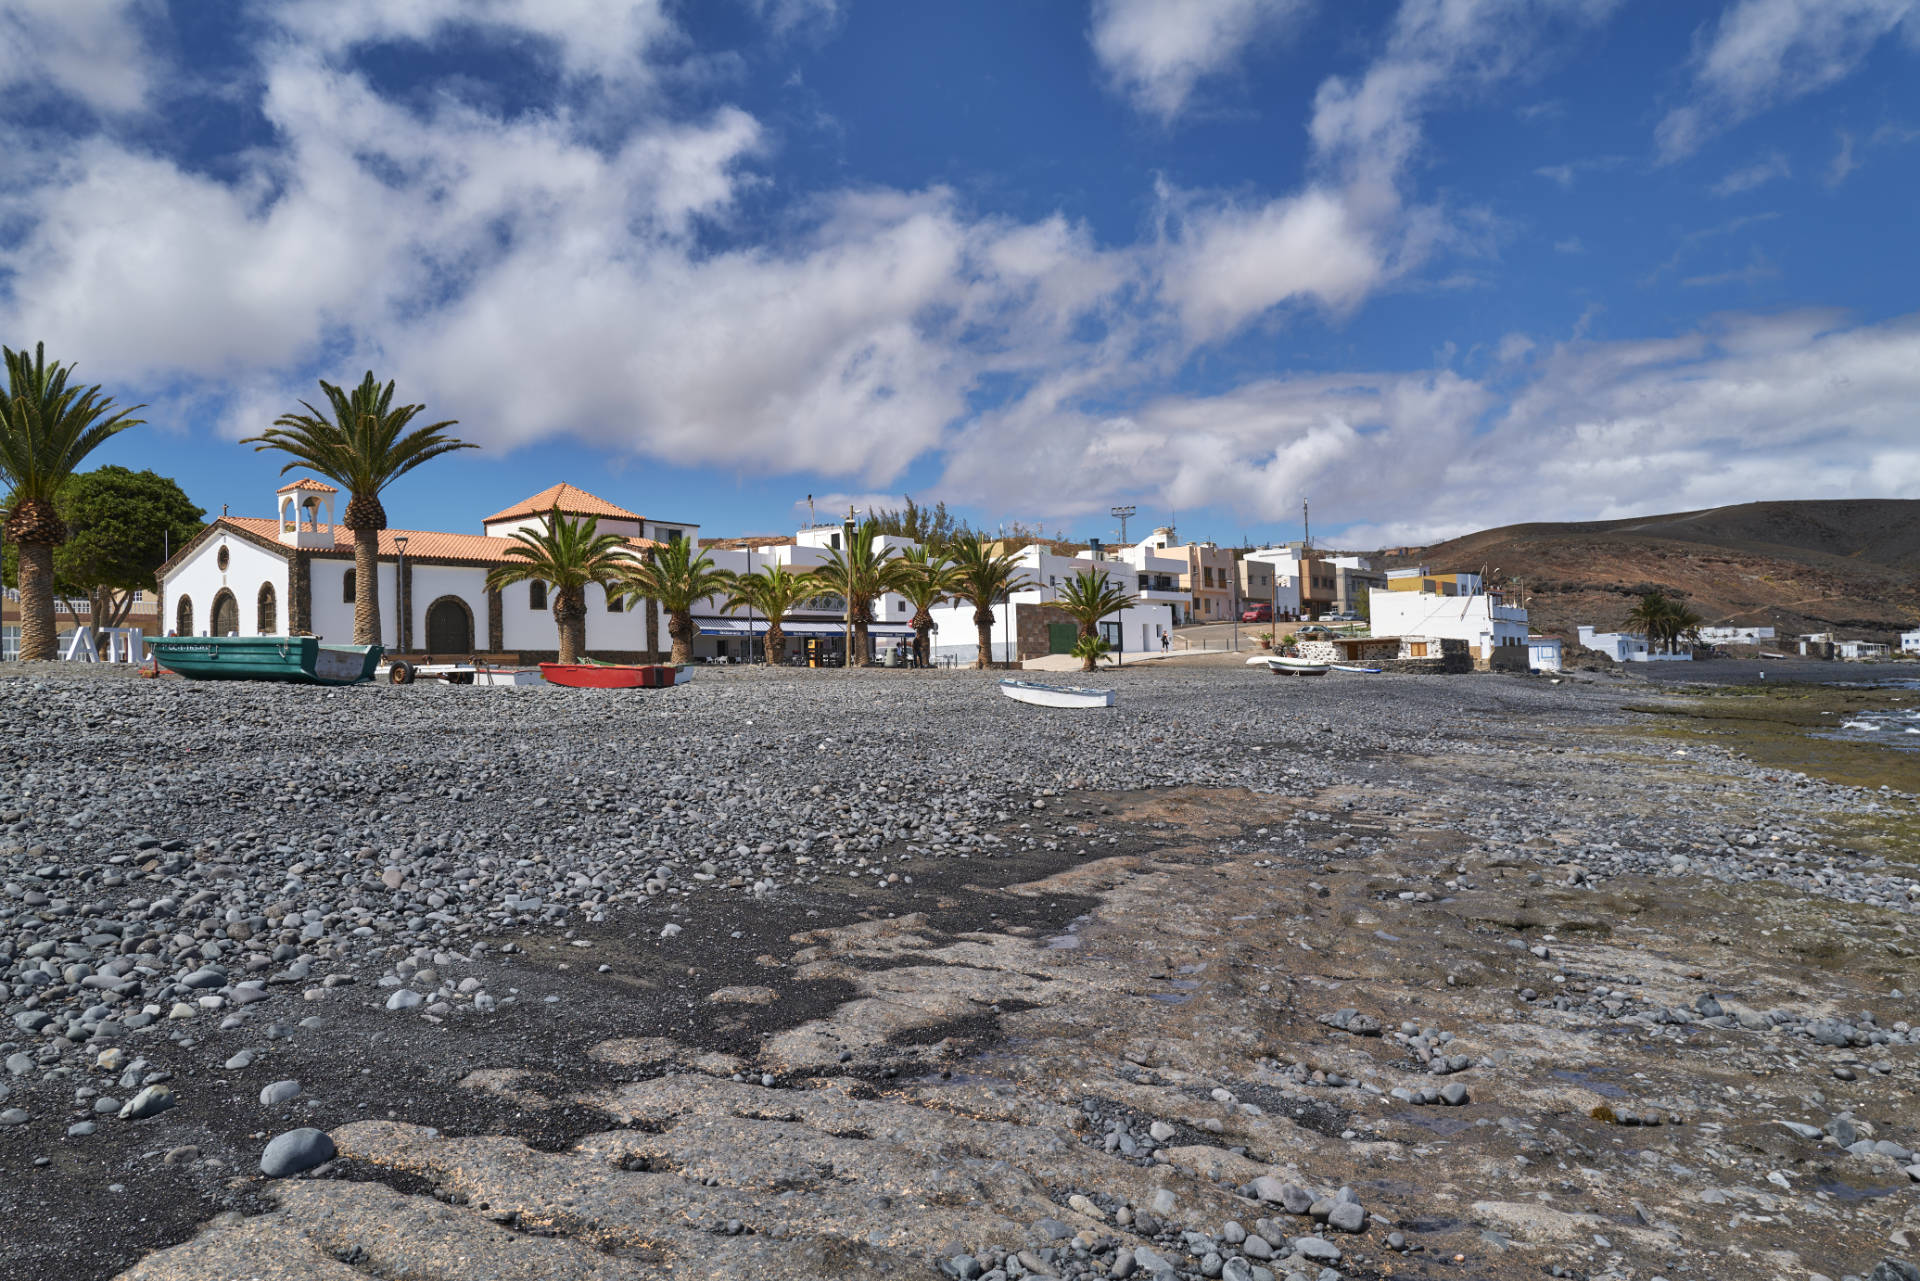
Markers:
{"x": 301, "y": 660}
{"x": 1056, "y": 695}
{"x": 1296, "y": 667}
{"x": 1355, "y": 667}
{"x": 609, "y": 675}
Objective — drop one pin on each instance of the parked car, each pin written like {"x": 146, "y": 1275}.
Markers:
{"x": 1313, "y": 631}
{"x": 1257, "y": 614}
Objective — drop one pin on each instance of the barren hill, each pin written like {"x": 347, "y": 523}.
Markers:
{"x": 1851, "y": 566}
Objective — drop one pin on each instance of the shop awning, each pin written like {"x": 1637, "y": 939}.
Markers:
{"x": 757, "y": 627}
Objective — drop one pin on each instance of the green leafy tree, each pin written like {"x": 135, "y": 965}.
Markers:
{"x": 927, "y": 577}
{"x": 860, "y": 573}
{"x": 935, "y": 525}
{"x": 1665, "y": 622}
{"x": 770, "y": 591}
{"x": 121, "y": 524}
{"x": 47, "y": 428}
{"x": 1088, "y": 597}
{"x": 363, "y": 444}
{"x": 567, "y": 555}
{"x": 678, "y": 576}
{"x": 984, "y": 578}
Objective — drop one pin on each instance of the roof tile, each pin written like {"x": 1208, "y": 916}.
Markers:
{"x": 570, "y": 499}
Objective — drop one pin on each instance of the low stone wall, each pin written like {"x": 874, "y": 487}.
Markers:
{"x": 1508, "y": 658}
{"x": 1395, "y": 654}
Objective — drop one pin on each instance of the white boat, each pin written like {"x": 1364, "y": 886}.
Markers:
{"x": 1296, "y": 667}
{"x": 1056, "y": 695}
{"x": 1258, "y": 660}
{"x": 1355, "y": 667}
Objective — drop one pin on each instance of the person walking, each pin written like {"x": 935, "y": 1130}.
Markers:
{"x": 1166, "y": 644}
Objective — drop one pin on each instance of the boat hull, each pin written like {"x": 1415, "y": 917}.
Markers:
{"x": 608, "y": 675}
{"x": 1295, "y": 667}
{"x": 1056, "y": 695}
{"x": 300, "y": 660}
{"x": 1355, "y": 667}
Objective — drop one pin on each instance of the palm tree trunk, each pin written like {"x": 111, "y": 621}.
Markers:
{"x": 861, "y": 657}
{"x": 983, "y": 624}
{"x": 570, "y": 619}
{"x": 680, "y": 628}
{"x": 366, "y": 587}
{"x": 39, "y": 639}
{"x": 653, "y": 630}
{"x": 923, "y": 642}
{"x": 774, "y": 645}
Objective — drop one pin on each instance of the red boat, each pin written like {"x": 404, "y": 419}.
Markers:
{"x": 608, "y": 675}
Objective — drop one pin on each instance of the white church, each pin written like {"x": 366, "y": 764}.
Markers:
{"x": 293, "y": 573}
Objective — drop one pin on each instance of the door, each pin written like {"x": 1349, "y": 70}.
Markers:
{"x": 449, "y": 627}
{"x": 226, "y": 615}
{"x": 1061, "y": 637}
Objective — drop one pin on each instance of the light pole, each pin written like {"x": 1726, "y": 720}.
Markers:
{"x": 846, "y": 557}
{"x": 400, "y": 601}
{"x": 750, "y": 611}
{"x": 1122, "y": 513}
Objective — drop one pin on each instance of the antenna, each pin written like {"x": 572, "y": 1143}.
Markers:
{"x": 1122, "y": 513}
{"x": 1306, "y": 526}
{"x": 811, "y": 519}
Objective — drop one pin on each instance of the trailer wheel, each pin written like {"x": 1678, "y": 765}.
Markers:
{"x": 400, "y": 674}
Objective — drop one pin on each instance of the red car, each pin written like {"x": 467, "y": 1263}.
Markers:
{"x": 1258, "y": 614}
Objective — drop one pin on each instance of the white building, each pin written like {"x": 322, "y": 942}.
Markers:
{"x": 1152, "y": 580}
{"x": 1856, "y": 650}
{"x": 1628, "y": 647}
{"x": 1910, "y": 641}
{"x": 1736, "y": 635}
{"x": 1484, "y": 622}
{"x": 1285, "y": 594}
{"x": 1543, "y": 653}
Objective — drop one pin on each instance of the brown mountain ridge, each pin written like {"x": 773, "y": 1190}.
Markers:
{"x": 1850, "y": 566}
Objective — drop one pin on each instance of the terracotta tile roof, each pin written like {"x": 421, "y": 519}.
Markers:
{"x": 566, "y": 498}
{"x": 425, "y": 544}
{"x": 308, "y": 482}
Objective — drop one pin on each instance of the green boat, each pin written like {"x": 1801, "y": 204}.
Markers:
{"x": 302, "y": 660}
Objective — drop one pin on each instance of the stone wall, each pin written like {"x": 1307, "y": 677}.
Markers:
{"x": 1030, "y": 628}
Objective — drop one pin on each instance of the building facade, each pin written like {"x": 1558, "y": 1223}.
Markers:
{"x": 1029, "y": 623}
{"x": 1484, "y": 621}
{"x": 1629, "y": 647}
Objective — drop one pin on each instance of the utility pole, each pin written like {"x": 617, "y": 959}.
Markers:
{"x": 1306, "y": 526}
{"x": 846, "y": 553}
{"x": 1122, "y": 513}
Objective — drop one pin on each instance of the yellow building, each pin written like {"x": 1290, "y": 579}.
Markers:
{"x": 1449, "y": 583}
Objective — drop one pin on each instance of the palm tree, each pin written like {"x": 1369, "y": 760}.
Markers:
{"x": 46, "y": 429}
{"x": 984, "y": 579}
{"x": 1654, "y": 615}
{"x": 1088, "y": 597}
{"x": 361, "y": 448}
{"x": 772, "y": 590}
{"x": 927, "y": 577}
{"x": 861, "y": 573}
{"x": 678, "y": 577}
{"x": 567, "y": 554}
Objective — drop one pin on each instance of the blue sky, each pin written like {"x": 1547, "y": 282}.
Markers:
{"x": 1434, "y": 266}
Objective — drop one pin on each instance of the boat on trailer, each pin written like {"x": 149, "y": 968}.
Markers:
{"x": 609, "y": 675}
{"x": 298, "y": 660}
{"x": 400, "y": 672}
{"x": 1297, "y": 667}
{"x": 1056, "y": 695}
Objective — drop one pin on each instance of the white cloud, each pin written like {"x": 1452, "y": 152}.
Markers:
{"x": 1758, "y": 174}
{"x": 609, "y": 39}
{"x": 1794, "y": 405}
{"x": 92, "y": 50}
{"x": 1765, "y": 52}
{"x": 1157, "y": 53}
{"x": 1235, "y": 264}
{"x": 1513, "y": 347}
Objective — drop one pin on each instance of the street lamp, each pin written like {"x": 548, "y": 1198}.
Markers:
{"x": 400, "y": 590}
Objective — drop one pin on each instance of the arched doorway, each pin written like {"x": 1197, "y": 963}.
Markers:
{"x": 266, "y": 615}
{"x": 226, "y": 614}
{"x": 183, "y": 617}
{"x": 449, "y": 626}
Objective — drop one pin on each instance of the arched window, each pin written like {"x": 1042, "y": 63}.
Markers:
{"x": 226, "y": 615}
{"x": 536, "y": 595}
{"x": 266, "y": 618}
{"x": 183, "y": 617}
{"x": 220, "y": 559}
{"x": 346, "y": 588}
